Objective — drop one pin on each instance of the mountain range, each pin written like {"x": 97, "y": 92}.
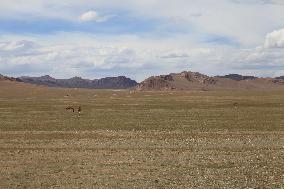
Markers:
{"x": 174, "y": 81}
{"x": 120, "y": 82}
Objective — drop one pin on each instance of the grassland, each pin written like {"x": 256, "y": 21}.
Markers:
{"x": 124, "y": 139}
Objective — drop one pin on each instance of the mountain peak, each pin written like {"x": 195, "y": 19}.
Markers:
{"x": 46, "y": 77}
{"x": 76, "y": 78}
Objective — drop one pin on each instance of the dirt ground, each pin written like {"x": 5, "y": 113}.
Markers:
{"x": 125, "y": 139}
{"x": 136, "y": 159}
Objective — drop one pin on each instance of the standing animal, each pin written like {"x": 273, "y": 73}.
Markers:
{"x": 236, "y": 105}
{"x": 70, "y": 108}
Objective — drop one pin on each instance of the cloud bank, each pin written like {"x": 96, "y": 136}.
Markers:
{"x": 66, "y": 55}
{"x": 71, "y": 37}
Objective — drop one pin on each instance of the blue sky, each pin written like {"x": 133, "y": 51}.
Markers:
{"x": 116, "y": 25}
{"x": 98, "y": 38}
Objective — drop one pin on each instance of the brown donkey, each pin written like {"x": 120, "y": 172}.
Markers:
{"x": 70, "y": 108}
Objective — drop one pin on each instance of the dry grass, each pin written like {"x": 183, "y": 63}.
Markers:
{"x": 140, "y": 140}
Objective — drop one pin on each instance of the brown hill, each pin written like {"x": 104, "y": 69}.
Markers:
{"x": 197, "y": 81}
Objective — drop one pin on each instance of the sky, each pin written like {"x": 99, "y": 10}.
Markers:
{"x": 138, "y": 39}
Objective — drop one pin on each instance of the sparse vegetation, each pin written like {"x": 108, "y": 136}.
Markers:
{"x": 126, "y": 139}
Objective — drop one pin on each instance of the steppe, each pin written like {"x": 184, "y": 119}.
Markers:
{"x": 140, "y": 139}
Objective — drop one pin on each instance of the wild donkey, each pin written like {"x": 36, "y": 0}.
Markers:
{"x": 72, "y": 108}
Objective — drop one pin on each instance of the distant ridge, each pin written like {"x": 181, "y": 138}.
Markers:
{"x": 120, "y": 82}
{"x": 196, "y": 81}
{"x": 237, "y": 77}
{"x": 281, "y": 77}
{"x": 6, "y": 78}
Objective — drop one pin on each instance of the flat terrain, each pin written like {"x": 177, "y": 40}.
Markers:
{"x": 127, "y": 139}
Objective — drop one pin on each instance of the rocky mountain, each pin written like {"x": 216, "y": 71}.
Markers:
{"x": 120, "y": 82}
{"x": 237, "y": 77}
{"x": 281, "y": 77}
{"x": 197, "y": 81}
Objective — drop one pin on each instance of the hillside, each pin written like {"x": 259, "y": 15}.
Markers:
{"x": 196, "y": 81}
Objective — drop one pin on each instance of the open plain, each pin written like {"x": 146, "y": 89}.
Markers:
{"x": 130, "y": 139}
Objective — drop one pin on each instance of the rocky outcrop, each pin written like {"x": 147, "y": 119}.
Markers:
{"x": 156, "y": 83}
{"x": 197, "y": 81}
{"x": 176, "y": 81}
{"x": 120, "y": 82}
{"x": 193, "y": 76}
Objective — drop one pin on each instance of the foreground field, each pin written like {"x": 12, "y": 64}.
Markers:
{"x": 127, "y": 139}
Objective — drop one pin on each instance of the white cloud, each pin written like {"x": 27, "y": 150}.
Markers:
{"x": 275, "y": 39}
{"x": 15, "y": 45}
{"x": 253, "y": 2}
{"x": 91, "y": 56}
{"x": 93, "y": 16}
{"x": 243, "y": 22}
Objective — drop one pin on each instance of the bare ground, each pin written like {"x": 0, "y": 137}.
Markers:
{"x": 141, "y": 159}
{"x": 126, "y": 139}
